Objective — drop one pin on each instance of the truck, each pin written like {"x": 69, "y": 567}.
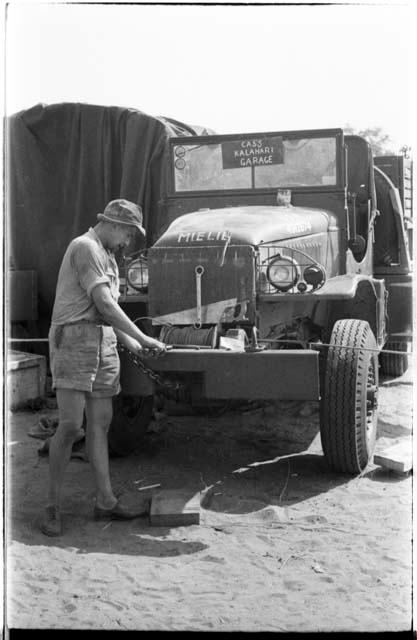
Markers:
{"x": 282, "y": 271}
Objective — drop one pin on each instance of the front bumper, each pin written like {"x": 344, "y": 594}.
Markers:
{"x": 264, "y": 375}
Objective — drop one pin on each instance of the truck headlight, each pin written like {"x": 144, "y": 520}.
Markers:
{"x": 137, "y": 275}
{"x": 283, "y": 273}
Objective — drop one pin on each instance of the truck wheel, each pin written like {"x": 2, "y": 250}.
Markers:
{"x": 350, "y": 393}
{"x": 131, "y": 416}
{"x": 395, "y": 364}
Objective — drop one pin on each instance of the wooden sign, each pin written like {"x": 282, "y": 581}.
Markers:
{"x": 252, "y": 152}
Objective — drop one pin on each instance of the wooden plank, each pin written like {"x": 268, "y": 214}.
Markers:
{"x": 175, "y": 508}
{"x": 398, "y": 457}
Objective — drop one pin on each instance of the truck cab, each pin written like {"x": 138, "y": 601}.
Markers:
{"x": 263, "y": 280}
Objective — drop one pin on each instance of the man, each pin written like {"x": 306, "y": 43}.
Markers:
{"x": 85, "y": 366}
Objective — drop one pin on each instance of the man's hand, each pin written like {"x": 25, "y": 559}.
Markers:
{"x": 152, "y": 348}
{"x": 147, "y": 348}
{"x": 135, "y": 347}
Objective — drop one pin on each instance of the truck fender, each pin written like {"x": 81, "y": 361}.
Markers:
{"x": 359, "y": 297}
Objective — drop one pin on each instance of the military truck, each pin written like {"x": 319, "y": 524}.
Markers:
{"x": 281, "y": 273}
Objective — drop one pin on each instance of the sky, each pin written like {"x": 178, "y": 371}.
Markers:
{"x": 229, "y": 68}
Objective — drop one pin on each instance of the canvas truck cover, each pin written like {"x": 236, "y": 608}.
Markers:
{"x": 64, "y": 163}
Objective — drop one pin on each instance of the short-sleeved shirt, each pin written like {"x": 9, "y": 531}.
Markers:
{"x": 83, "y": 352}
{"x": 86, "y": 264}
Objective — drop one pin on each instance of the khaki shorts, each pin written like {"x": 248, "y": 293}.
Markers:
{"x": 84, "y": 357}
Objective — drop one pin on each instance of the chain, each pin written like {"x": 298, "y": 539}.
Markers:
{"x": 151, "y": 373}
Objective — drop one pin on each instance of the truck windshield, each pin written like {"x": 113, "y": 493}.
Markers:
{"x": 256, "y": 162}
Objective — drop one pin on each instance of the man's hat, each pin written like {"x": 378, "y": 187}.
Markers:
{"x": 123, "y": 212}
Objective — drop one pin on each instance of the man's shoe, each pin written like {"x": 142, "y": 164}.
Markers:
{"x": 120, "y": 512}
{"x": 51, "y": 524}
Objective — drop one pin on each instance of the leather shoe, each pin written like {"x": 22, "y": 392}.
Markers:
{"x": 120, "y": 512}
{"x": 51, "y": 524}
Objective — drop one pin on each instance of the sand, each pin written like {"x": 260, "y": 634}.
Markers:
{"x": 282, "y": 544}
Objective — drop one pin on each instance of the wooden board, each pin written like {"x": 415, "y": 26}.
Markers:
{"x": 175, "y": 508}
{"x": 398, "y": 457}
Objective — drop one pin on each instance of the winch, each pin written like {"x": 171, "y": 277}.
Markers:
{"x": 190, "y": 337}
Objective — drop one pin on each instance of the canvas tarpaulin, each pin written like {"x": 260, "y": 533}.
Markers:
{"x": 65, "y": 162}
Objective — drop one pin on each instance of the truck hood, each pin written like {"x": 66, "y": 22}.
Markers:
{"x": 251, "y": 225}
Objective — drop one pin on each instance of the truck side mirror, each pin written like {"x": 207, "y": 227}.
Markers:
{"x": 357, "y": 243}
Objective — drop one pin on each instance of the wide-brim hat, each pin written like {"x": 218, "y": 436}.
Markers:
{"x": 123, "y": 212}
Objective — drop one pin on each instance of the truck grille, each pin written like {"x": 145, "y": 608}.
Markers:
{"x": 228, "y": 277}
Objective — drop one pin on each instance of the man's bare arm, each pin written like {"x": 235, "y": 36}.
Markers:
{"x": 116, "y": 317}
{"x": 127, "y": 341}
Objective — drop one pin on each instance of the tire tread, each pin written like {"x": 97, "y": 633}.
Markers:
{"x": 342, "y": 433}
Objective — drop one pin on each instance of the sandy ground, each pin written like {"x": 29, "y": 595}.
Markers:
{"x": 282, "y": 545}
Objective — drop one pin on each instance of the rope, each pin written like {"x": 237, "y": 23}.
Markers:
{"x": 319, "y": 345}
{"x": 149, "y": 318}
{"x": 208, "y": 335}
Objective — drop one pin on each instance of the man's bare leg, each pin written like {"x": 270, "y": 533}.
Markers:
{"x": 70, "y": 418}
{"x": 99, "y": 412}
